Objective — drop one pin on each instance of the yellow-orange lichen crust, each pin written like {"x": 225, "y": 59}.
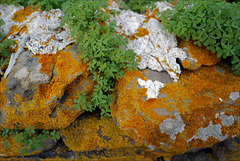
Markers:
{"x": 22, "y": 14}
{"x": 201, "y": 54}
{"x": 90, "y": 132}
{"x": 12, "y": 151}
{"x": 93, "y": 133}
{"x": 38, "y": 112}
{"x": 2, "y": 89}
{"x": 195, "y": 97}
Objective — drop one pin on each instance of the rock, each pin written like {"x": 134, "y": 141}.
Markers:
{"x": 227, "y": 150}
{"x": 156, "y": 48}
{"x": 197, "y": 56}
{"x": 38, "y": 31}
{"x": 40, "y": 90}
{"x": 40, "y": 85}
{"x": 199, "y": 110}
{"x": 90, "y": 132}
{"x": 202, "y": 155}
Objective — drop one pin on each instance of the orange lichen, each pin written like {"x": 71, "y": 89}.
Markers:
{"x": 13, "y": 149}
{"x": 47, "y": 16}
{"x": 65, "y": 67}
{"x": 152, "y": 15}
{"x": 195, "y": 97}
{"x": 132, "y": 37}
{"x": 12, "y": 30}
{"x": 2, "y": 95}
{"x": 17, "y": 98}
{"x": 22, "y": 14}
{"x": 185, "y": 63}
{"x": 201, "y": 54}
{"x": 141, "y": 32}
{"x": 92, "y": 133}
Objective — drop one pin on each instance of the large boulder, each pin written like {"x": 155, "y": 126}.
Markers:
{"x": 45, "y": 74}
{"x": 40, "y": 90}
{"x": 199, "y": 110}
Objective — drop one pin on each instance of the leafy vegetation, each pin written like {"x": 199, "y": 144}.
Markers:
{"x": 138, "y": 6}
{"x": 4, "y": 45}
{"x": 43, "y": 4}
{"x": 101, "y": 49}
{"x": 30, "y": 139}
{"x": 214, "y": 24}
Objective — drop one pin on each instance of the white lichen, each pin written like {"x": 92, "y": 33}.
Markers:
{"x": 152, "y": 87}
{"x": 210, "y": 131}
{"x": 172, "y": 126}
{"x": 40, "y": 33}
{"x": 22, "y": 73}
{"x": 226, "y": 120}
{"x": 234, "y": 96}
{"x": 158, "y": 49}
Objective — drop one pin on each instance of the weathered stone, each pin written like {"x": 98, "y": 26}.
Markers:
{"x": 199, "y": 110}
{"x": 196, "y": 56}
{"x": 156, "y": 48}
{"x": 40, "y": 90}
{"x": 90, "y": 132}
{"x": 38, "y": 31}
{"x": 227, "y": 150}
{"x": 202, "y": 155}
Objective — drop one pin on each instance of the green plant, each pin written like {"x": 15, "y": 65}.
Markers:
{"x": 4, "y": 45}
{"x": 101, "y": 49}
{"x": 214, "y": 24}
{"x": 139, "y": 6}
{"x": 30, "y": 139}
{"x": 43, "y": 4}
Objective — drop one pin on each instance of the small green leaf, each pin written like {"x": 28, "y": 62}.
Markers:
{"x": 6, "y": 144}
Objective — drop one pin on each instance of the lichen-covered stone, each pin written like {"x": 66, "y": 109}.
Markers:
{"x": 156, "y": 48}
{"x": 90, "y": 132}
{"x": 199, "y": 110}
{"x": 40, "y": 90}
{"x": 196, "y": 56}
{"x": 38, "y": 31}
